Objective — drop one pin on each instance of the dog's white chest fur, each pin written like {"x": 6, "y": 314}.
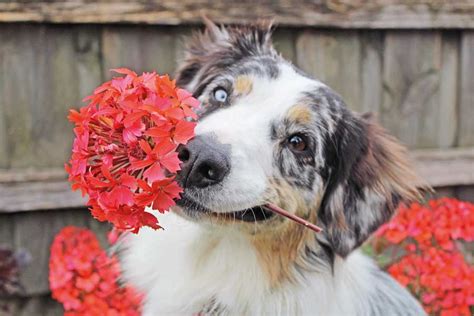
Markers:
{"x": 187, "y": 269}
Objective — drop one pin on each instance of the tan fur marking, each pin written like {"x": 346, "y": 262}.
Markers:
{"x": 278, "y": 251}
{"x": 281, "y": 248}
{"x": 243, "y": 85}
{"x": 300, "y": 113}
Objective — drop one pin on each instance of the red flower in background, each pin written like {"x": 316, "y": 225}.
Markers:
{"x": 433, "y": 266}
{"x": 85, "y": 280}
{"x": 129, "y": 133}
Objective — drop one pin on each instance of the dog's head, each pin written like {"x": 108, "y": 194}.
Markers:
{"x": 267, "y": 132}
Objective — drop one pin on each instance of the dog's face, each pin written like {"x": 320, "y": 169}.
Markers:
{"x": 269, "y": 133}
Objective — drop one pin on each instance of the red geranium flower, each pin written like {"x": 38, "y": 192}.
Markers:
{"x": 85, "y": 280}
{"x": 433, "y": 266}
{"x": 129, "y": 133}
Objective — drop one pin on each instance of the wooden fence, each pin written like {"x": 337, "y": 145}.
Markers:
{"x": 412, "y": 64}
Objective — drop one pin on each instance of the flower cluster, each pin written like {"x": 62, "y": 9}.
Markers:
{"x": 124, "y": 152}
{"x": 84, "y": 279}
{"x": 11, "y": 263}
{"x": 432, "y": 264}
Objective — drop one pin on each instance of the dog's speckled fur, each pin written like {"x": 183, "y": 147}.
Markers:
{"x": 348, "y": 179}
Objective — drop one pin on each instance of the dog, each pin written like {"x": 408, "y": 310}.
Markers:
{"x": 269, "y": 133}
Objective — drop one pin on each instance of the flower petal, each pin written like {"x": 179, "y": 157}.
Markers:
{"x": 154, "y": 173}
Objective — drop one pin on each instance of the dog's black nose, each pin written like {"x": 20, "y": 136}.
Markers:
{"x": 205, "y": 162}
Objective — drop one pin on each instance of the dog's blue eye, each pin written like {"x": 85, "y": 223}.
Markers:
{"x": 220, "y": 95}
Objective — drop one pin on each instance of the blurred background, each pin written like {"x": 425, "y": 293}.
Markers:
{"x": 410, "y": 62}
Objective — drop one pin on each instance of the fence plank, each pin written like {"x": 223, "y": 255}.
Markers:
{"x": 447, "y": 124}
{"x": 284, "y": 42}
{"x": 465, "y": 193}
{"x": 42, "y": 305}
{"x": 413, "y": 105}
{"x": 47, "y": 70}
{"x": 371, "y": 71}
{"x": 334, "y": 58}
{"x": 4, "y": 151}
{"x": 466, "y": 106}
{"x": 140, "y": 48}
{"x": 34, "y": 232}
{"x": 349, "y": 62}
{"x": 343, "y": 14}
{"x": 445, "y": 167}
{"x": 26, "y": 196}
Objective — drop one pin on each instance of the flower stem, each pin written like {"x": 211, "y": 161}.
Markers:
{"x": 278, "y": 210}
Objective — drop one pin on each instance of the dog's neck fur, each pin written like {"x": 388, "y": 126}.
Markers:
{"x": 189, "y": 269}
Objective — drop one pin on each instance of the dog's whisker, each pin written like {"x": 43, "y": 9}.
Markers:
{"x": 264, "y": 215}
{"x": 255, "y": 221}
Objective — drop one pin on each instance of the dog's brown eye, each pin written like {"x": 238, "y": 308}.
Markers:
{"x": 297, "y": 142}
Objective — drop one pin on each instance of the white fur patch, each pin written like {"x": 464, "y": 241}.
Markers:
{"x": 188, "y": 266}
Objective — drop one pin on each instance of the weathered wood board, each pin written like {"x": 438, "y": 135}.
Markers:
{"x": 45, "y": 70}
{"x": 43, "y": 195}
{"x": 444, "y": 168}
{"x": 348, "y": 61}
{"x": 448, "y": 121}
{"x": 371, "y": 71}
{"x": 34, "y": 233}
{"x": 466, "y": 90}
{"x": 41, "y": 305}
{"x": 465, "y": 193}
{"x": 416, "y": 86}
{"x": 141, "y": 48}
{"x": 334, "y": 58}
{"x": 284, "y": 41}
{"x": 339, "y": 14}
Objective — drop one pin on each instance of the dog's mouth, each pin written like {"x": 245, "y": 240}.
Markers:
{"x": 254, "y": 214}
{"x": 257, "y": 213}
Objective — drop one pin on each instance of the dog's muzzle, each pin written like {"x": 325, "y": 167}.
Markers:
{"x": 205, "y": 162}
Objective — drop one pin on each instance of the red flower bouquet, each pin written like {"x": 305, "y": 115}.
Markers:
{"x": 124, "y": 153}
{"x": 432, "y": 264}
{"x": 84, "y": 279}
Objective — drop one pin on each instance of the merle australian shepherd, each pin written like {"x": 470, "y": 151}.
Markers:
{"x": 269, "y": 133}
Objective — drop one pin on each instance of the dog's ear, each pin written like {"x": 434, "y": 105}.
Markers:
{"x": 218, "y": 47}
{"x": 369, "y": 175}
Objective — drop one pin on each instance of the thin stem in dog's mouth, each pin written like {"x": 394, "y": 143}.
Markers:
{"x": 278, "y": 210}
{"x": 254, "y": 214}
{"x": 264, "y": 212}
